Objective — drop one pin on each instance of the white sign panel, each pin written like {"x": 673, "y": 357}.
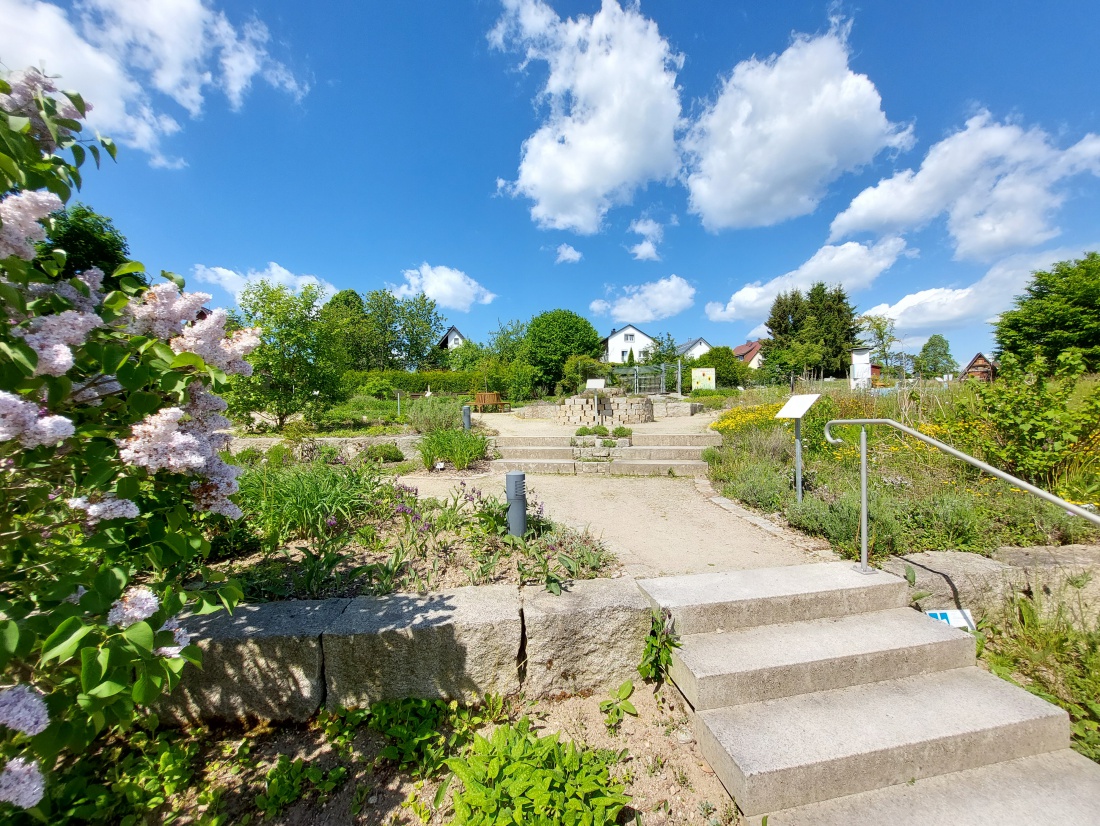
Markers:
{"x": 797, "y": 406}
{"x": 596, "y": 384}
{"x": 702, "y": 378}
{"x": 956, "y": 619}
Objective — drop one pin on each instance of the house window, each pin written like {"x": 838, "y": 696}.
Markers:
{"x": 628, "y": 337}
{"x": 454, "y": 341}
{"x": 624, "y": 356}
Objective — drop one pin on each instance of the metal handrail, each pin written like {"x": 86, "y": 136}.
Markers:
{"x": 958, "y": 454}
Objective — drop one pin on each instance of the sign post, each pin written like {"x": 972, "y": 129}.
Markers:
{"x": 596, "y": 385}
{"x": 795, "y": 408}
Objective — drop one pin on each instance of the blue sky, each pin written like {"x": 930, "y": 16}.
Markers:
{"x": 672, "y": 163}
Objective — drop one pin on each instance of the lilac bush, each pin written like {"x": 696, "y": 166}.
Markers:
{"x": 110, "y": 432}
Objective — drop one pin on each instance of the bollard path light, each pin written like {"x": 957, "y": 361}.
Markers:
{"x": 515, "y": 491}
{"x": 795, "y": 408}
{"x": 466, "y": 417}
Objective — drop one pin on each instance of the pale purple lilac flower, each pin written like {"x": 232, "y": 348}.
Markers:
{"x": 136, "y": 605}
{"x": 207, "y": 338}
{"x": 23, "y": 709}
{"x": 107, "y": 508}
{"x": 22, "y": 420}
{"x": 21, "y": 783}
{"x": 20, "y": 215}
{"x": 164, "y": 310}
{"x": 182, "y": 639}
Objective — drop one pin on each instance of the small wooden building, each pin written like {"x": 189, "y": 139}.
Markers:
{"x": 982, "y": 367}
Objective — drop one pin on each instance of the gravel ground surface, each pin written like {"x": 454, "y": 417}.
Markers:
{"x": 655, "y": 525}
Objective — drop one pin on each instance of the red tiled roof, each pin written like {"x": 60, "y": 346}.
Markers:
{"x": 747, "y": 351}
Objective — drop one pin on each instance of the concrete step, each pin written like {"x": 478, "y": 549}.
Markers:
{"x": 536, "y": 453}
{"x": 703, "y": 603}
{"x": 1057, "y": 787}
{"x": 788, "y": 752}
{"x": 675, "y": 440}
{"x": 532, "y": 441}
{"x": 779, "y": 754}
{"x": 681, "y": 454}
{"x": 657, "y": 467}
{"x": 560, "y": 466}
{"x": 754, "y": 664}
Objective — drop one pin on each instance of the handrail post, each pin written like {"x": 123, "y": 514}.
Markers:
{"x": 863, "y": 569}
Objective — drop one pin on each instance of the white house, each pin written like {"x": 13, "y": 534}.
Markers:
{"x": 617, "y": 346}
{"x": 451, "y": 339}
{"x": 693, "y": 349}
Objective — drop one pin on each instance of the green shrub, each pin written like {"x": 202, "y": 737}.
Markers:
{"x": 247, "y": 457}
{"x": 297, "y": 501}
{"x": 429, "y": 415}
{"x": 838, "y": 521}
{"x": 583, "y": 431}
{"x": 459, "y": 447}
{"x": 359, "y": 411}
{"x": 386, "y": 452}
{"x": 609, "y": 443}
{"x": 279, "y": 455}
{"x": 518, "y": 777}
{"x": 761, "y": 485}
{"x": 439, "y": 381}
{"x": 621, "y": 432}
{"x": 600, "y": 430}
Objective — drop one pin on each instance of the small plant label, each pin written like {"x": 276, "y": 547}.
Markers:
{"x": 956, "y": 619}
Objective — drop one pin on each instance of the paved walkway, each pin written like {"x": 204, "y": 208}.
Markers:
{"x": 656, "y": 525}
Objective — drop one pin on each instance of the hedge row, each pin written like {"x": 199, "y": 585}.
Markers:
{"x": 440, "y": 381}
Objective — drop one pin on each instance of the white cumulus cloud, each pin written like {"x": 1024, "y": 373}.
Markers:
{"x": 234, "y": 282}
{"x": 652, "y": 301}
{"x": 941, "y": 308}
{"x": 446, "y": 286}
{"x": 568, "y": 255}
{"x": 613, "y": 110}
{"x": 853, "y": 266}
{"x": 652, "y": 234}
{"x": 996, "y": 182}
{"x": 781, "y": 130}
{"x": 121, "y": 55}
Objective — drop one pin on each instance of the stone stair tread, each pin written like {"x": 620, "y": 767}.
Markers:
{"x": 675, "y": 439}
{"x": 788, "y": 752}
{"x": 1060, "y": 787}
{"x": 765, "y": 662}
{"x": 658, "y": 467}
{"x": 763, "y": 596}
{"x": 566, "y": 466}
{"x": 532, "y": 441}
{"x": 541, "y": 453}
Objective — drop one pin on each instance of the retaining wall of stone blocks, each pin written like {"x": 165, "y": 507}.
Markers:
{"x": 349, "y": 446}
{"x": 607, "y": 410}
{"x": 282, "y": 661}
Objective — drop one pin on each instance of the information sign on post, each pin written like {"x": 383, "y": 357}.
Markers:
{"x": 702, "y": 378}
{"x": 795, "y": 408}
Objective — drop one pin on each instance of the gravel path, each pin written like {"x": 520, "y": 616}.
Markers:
{"x": 656, "y": 525}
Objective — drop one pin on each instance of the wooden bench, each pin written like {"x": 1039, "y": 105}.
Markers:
{"x": 490, "y": 400}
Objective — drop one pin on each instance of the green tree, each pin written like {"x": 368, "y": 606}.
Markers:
{"x": 468, "y": 357}
{"x": 880, "y": 332}
{"x": 554, "y": 336}
{"x": 509, "y": 340}
{"x": 729, "y": 370}
{"x": 89, "y": 240}
{"x": 935, "y": 358}
{"x": 291, "y": 368}
{"x": 809, "y": 334}
{"x": 661, "y": 351}
{"x": 382, "y": 340}
{"x": 420, "y": 326}
{"x": 344, "y": 321}
{"x": 1057, "y": 312}
{"x": 832, "y": 326}
{"x": 579, "y": 369}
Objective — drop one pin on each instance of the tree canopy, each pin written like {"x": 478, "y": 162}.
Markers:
{"x": 881, "y": 338}
{"x": 554, "y": 336}
{"x": 89, "y": 240}
{"x": 935, "y": 358}
{"x": 1057, "y": 312}
{"x": 292, "y": 365}
{"x": 811, "y": 333}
